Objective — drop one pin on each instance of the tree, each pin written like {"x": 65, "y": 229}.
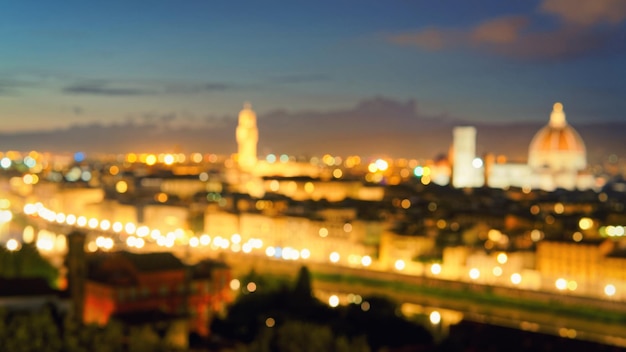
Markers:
{"x": 27, "y": 263}
{"x": 300, "y": 322}
{"x": 29, "y": 331}
{"x": 26, "y": 331}
{"x": 302, "y": 288}
{"x": 91, "y": 337}
{"x": 298, "y": 336}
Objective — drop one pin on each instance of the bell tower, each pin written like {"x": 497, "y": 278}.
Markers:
{"x": 247, "y": 138}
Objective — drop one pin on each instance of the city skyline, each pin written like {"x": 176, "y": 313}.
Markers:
{"x": 192, "y": 66}
{"x": 402, "y": 134}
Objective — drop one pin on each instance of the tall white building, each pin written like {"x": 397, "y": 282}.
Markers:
{"x": 247, "y": 138}
{"x": 466, "y": 172}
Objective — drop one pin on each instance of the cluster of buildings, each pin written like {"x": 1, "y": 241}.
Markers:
{"x": 556, "y": 159}
{"x": 544, "y": 225}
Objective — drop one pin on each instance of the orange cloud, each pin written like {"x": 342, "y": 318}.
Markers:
{"x": 565, "y": 43}
{"x": 502, "y": 30}
{"x": 586, "y": 12}
{"x": 513, "y": 36}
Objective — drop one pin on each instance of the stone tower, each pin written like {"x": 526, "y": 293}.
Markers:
{"x": 464, "y": 152}
{"x": 247, "y": 138}
{"x": 77, "y": 272}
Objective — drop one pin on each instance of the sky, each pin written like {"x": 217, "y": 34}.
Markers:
{"x": 191, "y": 63}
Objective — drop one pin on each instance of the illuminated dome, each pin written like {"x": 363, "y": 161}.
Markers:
{"x": 557, "y": 146}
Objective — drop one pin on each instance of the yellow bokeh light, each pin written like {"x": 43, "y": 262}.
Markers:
{"x": 196, "y": 158}
{"x": 13, "y": 245}
{"x": 328, "y": 160}
{"x": 435, "y": 317}
{"x": 168, "y": 159}
{"x": 572, "y": 285}
{"x": 435, "y": 269}
{"x": 585, "y": 223}
{"x": 28, "y": 179}
{"x": 382, "y": 165}
{"x": 610, "y": 290}
{"x": 474, "y": 273}
{"x": 497, "y": 271}
{"x": 366, "y": 260}
{"x": 333, "y": 301}
{"x": 559, "y": 208}
{"x": 161, "y": 197}
{"x": 151, "y": 159}
{"x": 121, "y": 186}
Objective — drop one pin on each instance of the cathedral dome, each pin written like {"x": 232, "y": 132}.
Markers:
{"x": 557, "y": 146}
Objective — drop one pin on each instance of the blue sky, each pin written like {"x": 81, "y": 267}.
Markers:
{"x": 77, "y": 62}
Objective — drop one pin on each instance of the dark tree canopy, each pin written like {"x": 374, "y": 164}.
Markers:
{"x": 302, "y": 288}
{"x": 299, "y": 322}
{"x": 27, "y": 263}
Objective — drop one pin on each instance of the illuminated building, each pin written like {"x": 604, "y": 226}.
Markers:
{"x": 334, "y": 190}
{"x": 406, "y": 247}
{"x": 124, "y": 283}
{"x": 585, "y": 267}
{"x": 465, "y": 170}
{"x": 321, "y": 233}
{"x": 557, "y": 158}
{"x": 557, "y": 146}
{"x": 247, "y": 138}
{"x": 557, "y": 154}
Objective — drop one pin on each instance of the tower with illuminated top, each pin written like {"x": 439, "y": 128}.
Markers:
{"x": 247, "y": 138}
